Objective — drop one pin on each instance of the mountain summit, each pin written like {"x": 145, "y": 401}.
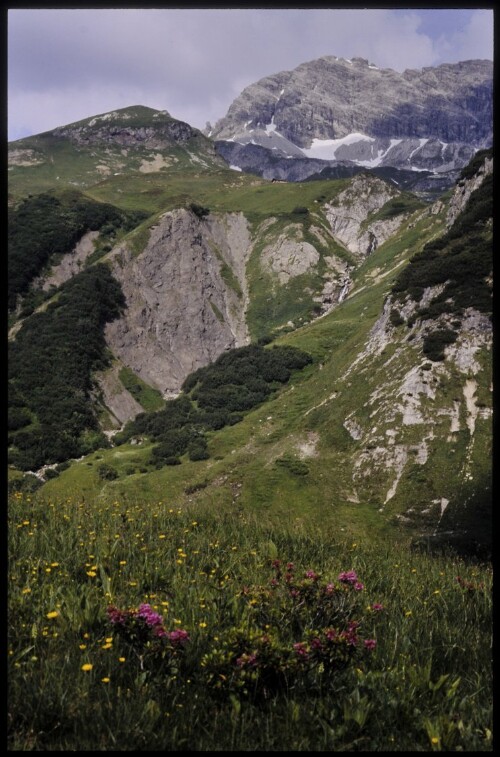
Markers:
{"x": 351, "y": 112}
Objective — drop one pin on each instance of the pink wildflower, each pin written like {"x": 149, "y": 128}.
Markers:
{"x": 159, "y": 631}
{"x": 116, "y": 616}
{"x": 348, "y": 576}
{"x": 246, "y": 659}
{"x": 358, "y": 586}
{"x": 146, "y": 613}
{"x": 312, "y": 575}
{"x": 377, "y": 607}
{"x": 301, "y": 649}
{"x": 370, "y": 643}
{"x": 178, "y": 636}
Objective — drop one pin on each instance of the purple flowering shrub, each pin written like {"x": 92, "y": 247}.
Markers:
{"x": 304, "y": 602}
{"x": 144, "y": 632}
{"x": 312, "y": 629}
{"x": 249, "y": 662}
{"x": 294, "y": 631}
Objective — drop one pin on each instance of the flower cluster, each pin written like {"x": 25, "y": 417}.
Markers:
{"x": 144, "y": 631}
{"x": 350, "y": 577}
{"x": 312, "y": 627}
{"x": 303, "y": 602}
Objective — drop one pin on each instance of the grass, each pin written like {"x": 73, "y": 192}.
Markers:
{"x": 425, "y": 687}
{"x": 150, "y": 399}
{"x": 317, "y": 401}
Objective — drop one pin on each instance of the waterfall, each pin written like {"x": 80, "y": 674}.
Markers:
{"x": 344, "y": 290}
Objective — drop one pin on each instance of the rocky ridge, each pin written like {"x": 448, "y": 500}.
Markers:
{"x": 181, "y": 314}
{"x": 353, "y": 113}
{"x": 331, "y": 98}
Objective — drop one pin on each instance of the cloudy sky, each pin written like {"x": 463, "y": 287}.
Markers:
{"x": 68, "y": 64}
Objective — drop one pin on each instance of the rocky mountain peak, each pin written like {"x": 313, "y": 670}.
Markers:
{"x": 352, "y": 112}
{"x": 129, "y": 127}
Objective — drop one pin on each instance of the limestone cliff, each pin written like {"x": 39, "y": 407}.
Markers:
{"x": 349, "y": 215}
{"x": 185, "y": 297}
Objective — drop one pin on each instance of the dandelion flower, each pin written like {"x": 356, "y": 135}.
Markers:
{"x": 52, "y": 614}
{"x": 87, "y": 666}
{"x": 122, "y": 659}
{"x": 105, "y": 680}
{"x": 82, "y": 646}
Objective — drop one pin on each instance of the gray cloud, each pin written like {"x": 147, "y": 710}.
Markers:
{"x": 69, "y": 64}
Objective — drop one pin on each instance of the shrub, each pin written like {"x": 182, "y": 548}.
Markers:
{"x": 107, "y": 472}
{"x": 199, "y": 210}
{"x": 198, "y": 450}
{"x": 435, "y": 342}
{"x": 51, "y": 473}
{"x": 396, "y": 318}
{"x": 297, "y": 467}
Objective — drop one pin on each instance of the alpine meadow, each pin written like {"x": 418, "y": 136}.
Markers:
{"x": 250, "y": 421}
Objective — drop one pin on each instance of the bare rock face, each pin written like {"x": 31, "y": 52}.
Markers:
{"x": 348, "y": 216}
{"x": 331, "y": 97}
{"x": 290, "y": 256}
{"x": 353, "y": 113}
{"x": 71, "y": 264}
{"x": 118, "y": 400}
{"x": 464, "y": 189}
{"x": 185, "y": 297}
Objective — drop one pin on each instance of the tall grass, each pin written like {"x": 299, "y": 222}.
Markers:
{"x": 76, "y": 684}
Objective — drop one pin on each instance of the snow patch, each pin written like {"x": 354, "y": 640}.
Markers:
{"x": 235, "y": 168}
{"x": 271, "y": 128}
{"x": 325, "y": 149}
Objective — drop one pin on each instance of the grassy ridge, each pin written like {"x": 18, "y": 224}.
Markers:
{"x": 75, "y": 683}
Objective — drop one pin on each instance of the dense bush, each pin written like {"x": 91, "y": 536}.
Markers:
{"x": 435, "y": 343}
{"x": 461, "y": 261}
{"x": 237, "y": 381}
{"x": 50, "y": 366}
{"x": 199, "y": 210}
{"x": 44, "y": 225}
{"x": 107, "y": 472}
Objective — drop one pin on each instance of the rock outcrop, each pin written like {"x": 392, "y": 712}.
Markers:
{"x": 353, "y": 113}
{"x": 349, "y": 216}
{"x": 330, "y": 98}
{"x": 185, "y": 297}
{"x": 464, "y": 189}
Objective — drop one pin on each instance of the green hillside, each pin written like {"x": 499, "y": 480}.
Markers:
{"x": 293, "y": 553}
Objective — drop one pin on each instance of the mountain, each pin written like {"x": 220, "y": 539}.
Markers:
{"x": 153, "y": 315}
{"x": 352, "y": 113}
{"x": 129, "y": 140}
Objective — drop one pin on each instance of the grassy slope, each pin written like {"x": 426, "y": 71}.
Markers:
{"x": 243, "y": 456}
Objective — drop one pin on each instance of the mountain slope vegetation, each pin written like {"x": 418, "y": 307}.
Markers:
{"x": 398, "y": 389}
